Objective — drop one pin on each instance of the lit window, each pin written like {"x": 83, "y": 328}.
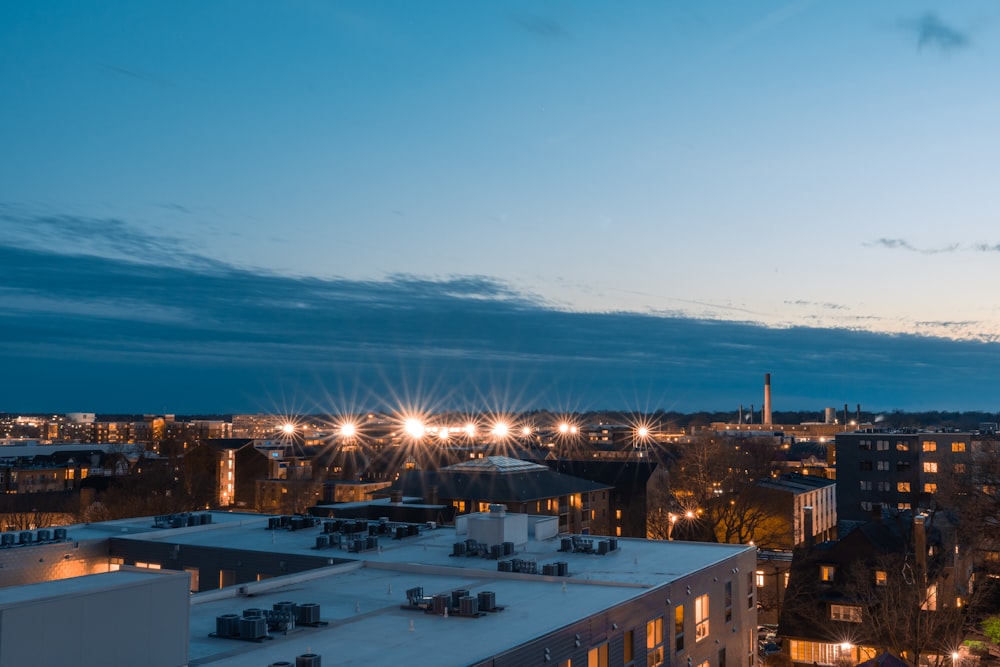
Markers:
{"x": 902, "y": 446}
{"x": 880, "y": 578}
{"x": 826, "y": 572}
{"x": 903, "y": 487}
{"x": 598, "y": 656}
{"x": 930, "y": 446}
{"x": 930, "y": 488}
{"x": 629, "y": 646}
{"x": 958, "y": 446}
{"x": 654, "y": 642}
{"x": 882, "y": 445}
{"x": 700, "y": 617}
{"x": 930, "y": 466}
{"x": 618, "y": 514}
{"x": 618, "y": 531}
{"x": 845, "y": 612}
{"x": 902, "y": 506}
{"x": 759, "y": 576}
{"x": 679, "y": 628}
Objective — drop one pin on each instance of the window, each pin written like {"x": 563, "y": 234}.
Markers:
{"x": 958, "y": 446}
{"x": 729, "y": 601}
{"x": 882, "y": 465}
{"x": 598, "y": 656}
{"x": 865, "y": 445}
{"x": 960, "y": 468}
{"x": 930, "y": 488}
{"x": 866, "y": 505}
{"x": 930, "y": 446}
{"x": 930, "y": 466}
{"x": 759, "y": 577}
{"x": 881, "y": 578}
{"x": 902, "y": 466}
{"x": 866, "y": 485}
{"x": 903, "y": 487}
{"x": 629, "y": 646}
{"x": 882, "y": 445}
{"x": 864, "y": 466}
{"x": 679, "y": 628}
{"x": 826, "y": 572}
{"x": 902, "y": 446}
{"x": 884, "y": 486}
{"x": 750, "y": 590}
{"x": 902, "y": 506}
{"x": 700, "y": 617}
{"x": 654, "y": 642}
{"x": 845, "y": 612}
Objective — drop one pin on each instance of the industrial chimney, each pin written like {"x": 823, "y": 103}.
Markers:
{"x": 767, "y": 398}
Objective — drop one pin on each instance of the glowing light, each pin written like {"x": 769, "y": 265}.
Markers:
{"x": 288, "y": 429}
{"x": 689, "y": 514}
{"x": 846, "y": 646}
{"x": 470, "y": 430}
{"x": 643, "y": 432}
{"x": 572, "y": 429}
{"x": 526, "y": 431}
{"x": 500, "y": 429}
{"x": 414, "y": 428}
{"x": 564, "y": 428}
{"x": 443, "y": 434}
{"x": 348, "y": 430}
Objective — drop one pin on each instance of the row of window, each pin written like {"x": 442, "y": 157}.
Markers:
{"x": 901, "y": 446}
{"x": 929, "y": 467}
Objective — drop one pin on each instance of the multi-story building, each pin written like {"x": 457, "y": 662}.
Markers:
{"x": 375, "y": 593}
{"x": 897, "y": 470}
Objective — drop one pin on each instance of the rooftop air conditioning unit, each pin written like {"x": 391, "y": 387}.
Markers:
{"x": 254, "y": 627}
{"x": 307, "y": 660}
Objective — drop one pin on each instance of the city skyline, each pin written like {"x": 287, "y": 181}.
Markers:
{"x": 242, "y": 207}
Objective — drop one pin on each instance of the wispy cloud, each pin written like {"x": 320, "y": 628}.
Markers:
{"x": 933, "y": 33}
{"x": 903, "y": 244}
{"x": 541, "y": 26}
{"x": 987, "y": 247}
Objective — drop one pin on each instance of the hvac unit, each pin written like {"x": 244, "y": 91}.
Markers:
{"x": 44, "y": 535}
{"x": 335, "y": 539}
{"x": 612, "y": 544}
{"x": 562, "y": 569}
{"x": 371, "y": 542}
{"x": 440, "y": 603}
{"x": 458, "y": 549}
{"x": 457, "y": 595}
{"x": 280, "y": 663}
{"x": 508, "y": 548}
{"x": 59, "y": 533}
{"x": 566, "y": 544}
{"x": 193, "y": 520}
{"x": 468, "y": 605}
{"x": 602, "y": 547}
{"x": 254, "y": 627}
{"x": 297, "y": 523}
{"x": 549, "y": 569}
{"x": 206, "y": 518}
{"x": 7, "y": 539}
{"x": 415, "y": 593}
{"x": 283, "y": 606}
{"x": 272, "y": 523}
{"x": 25, "y": 537}
{"x": 253, "y": 613}
{"x": 322, "y": 541}
{"x": 227, "y": 625}
{"x": 487, "y": 600}
{"x": 307, "y": 660}
{"x": 496, "y": 551}
{"x": 307, "y": 614}
{"x": 504, "y": 566}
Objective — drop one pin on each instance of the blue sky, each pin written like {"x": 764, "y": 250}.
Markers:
{"x": 562, "y": 204}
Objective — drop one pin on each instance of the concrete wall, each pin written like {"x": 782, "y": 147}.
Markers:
{"x": 55, "y": 560}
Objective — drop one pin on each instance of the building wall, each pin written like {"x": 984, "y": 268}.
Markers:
{"x": 735, "y": 637}
{"x": 47, "y": 562}
{"x": 134, "y": 623}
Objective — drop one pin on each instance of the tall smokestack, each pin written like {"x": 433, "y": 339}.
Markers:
{"x": 741, "y": 413}
{"x": 847, "y": 421}
{"x": 767, "y": 398}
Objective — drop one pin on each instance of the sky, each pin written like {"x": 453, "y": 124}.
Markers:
{"x": 240, "y": 206}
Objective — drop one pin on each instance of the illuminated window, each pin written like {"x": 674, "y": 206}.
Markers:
{"x": 930, "y": 466}
{"x": 629, "y": 646}
{"x": 759, "y": 578}
{"x": 654, "y": 642}
{"x": 882, "y": 465}
{"x": 880, "y": 578}
{"x": 958, "y": 446}
{"x": 845, "y": 612}
{"x": 902, "y": 506}
{"x": 618, "y": 514}
{"x": 679, "y": 628}
{"x": 826, "y": 572}
{"x": 930, "y": 488}
{"x": 700, "y": 617}
{"x": 903, "y": 487}
{"x": 929, "y": 446}
{"x": 902, "y": 446}
{"x": 882, "y": 445}
{"x": 618, "y": 531}
{"x": 598, "y": 656}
